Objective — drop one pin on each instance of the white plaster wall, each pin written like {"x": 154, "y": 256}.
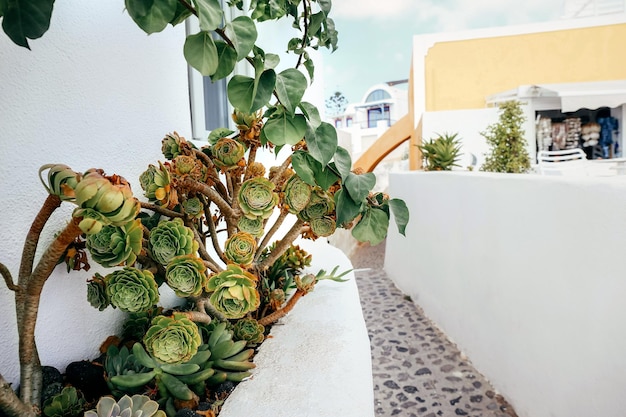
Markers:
{"x": 95, "y": 91}
{"x": 525, "y": 273}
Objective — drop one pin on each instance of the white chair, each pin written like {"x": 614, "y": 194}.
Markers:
{"x": 564, "y": 162}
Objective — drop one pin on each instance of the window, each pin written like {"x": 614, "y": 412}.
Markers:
{"x": 376, "y": 114}
{"x": 348, "y": 121}
{"x": 338, "y": 123}
{"x": 377, "y": 95}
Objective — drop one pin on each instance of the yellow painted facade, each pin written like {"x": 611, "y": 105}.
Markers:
{"x": 460, "y": 74}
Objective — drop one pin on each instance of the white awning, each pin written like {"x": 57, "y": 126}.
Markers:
{"x": 574, "y": 96}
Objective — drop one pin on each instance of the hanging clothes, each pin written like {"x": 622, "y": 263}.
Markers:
{"x": 608, "y": 125}
{"x": 573, "y": 129}
{"x": 544, "y": 134}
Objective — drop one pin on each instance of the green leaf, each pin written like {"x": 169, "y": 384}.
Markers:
{"x": 210, "y": 14}
{"x": 152, "y": 15}
{"x": 323, "y": 144}
{"x": 201, "y": 53}
{"x": 241, "y": 92}
{"x": 325, "y": 178}
{"x": 345, "y": 207}
{"x": 217, "y": 134}
{"x": 264, "y": 89}
{"x": 315, "y": 24}
{"x": 285, "y": 129}
{"x": 400, "y": 213}
{"x": 290, "y": 87}
{"x": 305, "y": 166}
{"x": 242, "y": 32}
{"x": 310, "y": 68}
{"x": 25, "y": 19}
{"x": 372, "y": 227}
{"x": 311, "y": 113}
{"x": 226, "y": 58}
{"x": 359, "y": 186}
{"x": 181, "y": 14}
{"x": 271, "y": 61}
{"x": 325, "y": 5}
{"x": 343, "y": 162}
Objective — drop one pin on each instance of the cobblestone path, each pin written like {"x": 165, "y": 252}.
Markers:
{"x": 418, "y": 371}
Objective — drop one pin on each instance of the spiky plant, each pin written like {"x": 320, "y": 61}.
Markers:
{"x": 441, "y": 153}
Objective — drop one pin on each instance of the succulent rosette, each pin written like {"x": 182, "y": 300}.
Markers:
{"x": 297, "y": 194}
{"x": 61, "y": 181}
{"x": 252, "y": 226}
{"x": 250, "y": 330}
{"x": 190, "y": 166}
{"x": 320, "y": 204}
{"x": 114, "y": 245}
{"x": 257, "y": 198}
{"x": 324, "y": 226}
{"x": 193, "y": 207}
{"x": 170, "y": 239}
{"x": 156, "y": 184}
{"x": 171, "y": 145}
{"x": 227, "y": 153}
{"x": 277, "y": 298}
{"x": 104, "y": 200}
{"x": 131, "y": 289}
{"x": 240, "y": 248}
{"x": 234, "y": 292}
{"x": 172, "y": 339}
{"x": 186, "y": 275}
{"x": 96, "y": 293}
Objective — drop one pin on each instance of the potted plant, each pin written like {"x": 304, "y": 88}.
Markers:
{"x": 208, "y": 225}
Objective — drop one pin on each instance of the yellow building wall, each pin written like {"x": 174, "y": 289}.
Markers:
{"x": 460, "y": 74}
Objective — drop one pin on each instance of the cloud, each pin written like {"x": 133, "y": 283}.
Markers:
{"x": 449, "y": 15}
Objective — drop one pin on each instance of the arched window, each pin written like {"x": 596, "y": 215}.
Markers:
{"x": 377, "y": 95}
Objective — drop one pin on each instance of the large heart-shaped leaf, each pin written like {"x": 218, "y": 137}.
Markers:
{"x": 25, "y": 19}
{"x": 241, "y": 92}
{"x": 343, "y": 162}
{"x": 152, "y": 15}
{"x": 285, "y": 129}
{"x": 201, "y": 53}
{"x": 372, "y": 227}
{"x": 312, "y": 114}
{"x": 305, "y": 166}
{"x": 323, "y": 144}
{"x": 265, "y": 85}
{"x": 242, "y": 32}
{"x": 325, "y": 178}
{"x": 400, "y": 213}
{"x": 227, "y": 59}
{"x": 290, "y": 87}
{"x": 345, "y": 207}
{"x": 210, "y": 14}
{"x": 359, "y": 186}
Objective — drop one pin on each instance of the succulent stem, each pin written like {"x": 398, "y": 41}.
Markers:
{"x": 272, "y": 318}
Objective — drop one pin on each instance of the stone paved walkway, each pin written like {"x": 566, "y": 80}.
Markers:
{"x": 417, "y": 371}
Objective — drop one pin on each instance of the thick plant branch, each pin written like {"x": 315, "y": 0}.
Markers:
{"x": 212, "y": 195}
{"x": 197, "y": 316}
{"x": 10, "y": 404}
{"x": 251, "y": 159}
{"x": 213, "y": 234}
{"x": 268, "y": 236}
{"x": 32, "y": 238}
{"x": 159, "y": 209}
{"x": 283, "y": 244}
{"x": 213, "y": 174}
{"x": 8, "y": 279}
{"x": 281, "y": 170}
{"x": 204, "y": 254}
{"x": 272, "y": 318}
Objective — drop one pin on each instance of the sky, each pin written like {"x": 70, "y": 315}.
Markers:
{"x": 375, "y": 36}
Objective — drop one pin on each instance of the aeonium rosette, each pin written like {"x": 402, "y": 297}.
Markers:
{"x": 114, "y": 245}
{"x": 157, "y": 185}
{"x": 190, "y": 166}
{"x": 296, "y": 194}
{"x": 172, "y": 339}
{"x": 104, "y": 200}
{"x": 227, "y": 153}
{"x": 257, "y": 198}
{"x": 234, "y": 292}
{"x": 172, "y": 145}
{"x": 61, "y": 181}
{"x": 320, "y": 204}
{"x": 240, "y": 248}
{"x": 252, "y": 226}
{"x": 186, "y": 275}
{"x": 323, "y": 226}
{"x": 250, "y": 330}
{"x": 131, "y": 289}
{"x": 171, "y": 238}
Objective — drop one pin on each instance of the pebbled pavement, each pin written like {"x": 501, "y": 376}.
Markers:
{"x": 417, "y": 370}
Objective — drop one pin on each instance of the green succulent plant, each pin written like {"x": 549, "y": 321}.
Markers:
{"x": 240, "y": 248}
{"x": 229, "y": 359}
{"x": 121, "y": 361}
{"x": 250, "y": 330}
{"x": 135, "y": 406}
{"x": 131, "y": 289}
{"x": 193, "y": 207}
{"x": 172, "y": 339}
{"x": 157, "y": 185}
{"x": 104, "y": 200}
{"x": 113, "y": 245}
{"x": 62, "y": 181}
{"x": 234, "y": 292}
{"x": 68, "y": 403}
{"x": 228, "y": 153}
{"x": 171, "y": 238}
{"x": 186, "y": 275}
{"x": 171, "y": 145}
{"x": 252, "y": 226}
{"x": 136, "y": 324}
{"x": 323, "y": 226}
{"x": 296, "y": 194}
{"x": 320, "y": 205}
{"x": 257, "y": 198}
{"x": 96, "y": 293}
{"x": 441, "y": 153}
